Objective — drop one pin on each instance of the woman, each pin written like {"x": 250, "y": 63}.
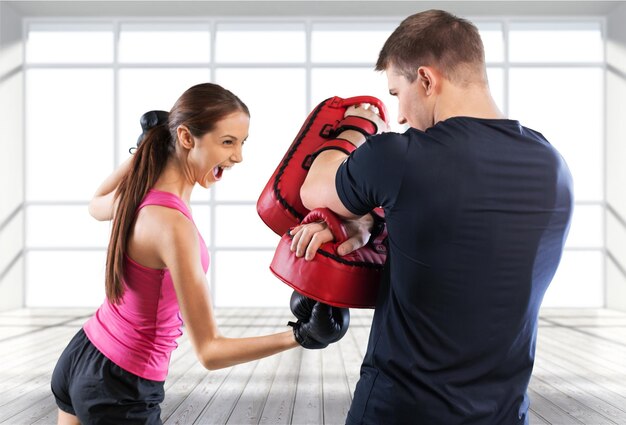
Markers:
{"x": 114, "y": 369}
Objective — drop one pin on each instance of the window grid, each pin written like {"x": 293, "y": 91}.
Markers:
{"x": 308, "y": 66}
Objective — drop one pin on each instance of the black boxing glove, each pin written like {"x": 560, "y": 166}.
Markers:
{"x": 150, "y": 120}
{"x": 327, "y": 324}
{"x": 301, "y": 306}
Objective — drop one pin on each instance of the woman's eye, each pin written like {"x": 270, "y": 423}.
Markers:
{"x": 228, "y": 142}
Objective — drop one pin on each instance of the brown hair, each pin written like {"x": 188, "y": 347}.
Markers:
{"x": 435, "y": 38}
{"x": 199, "y": 109}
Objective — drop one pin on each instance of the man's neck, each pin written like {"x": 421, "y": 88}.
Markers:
{"x": 471, "y": 101}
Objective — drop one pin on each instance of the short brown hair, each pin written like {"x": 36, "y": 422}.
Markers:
{"x": 434, "y": 38}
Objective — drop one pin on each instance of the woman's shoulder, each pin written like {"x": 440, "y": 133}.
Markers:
{"x": 167, "y": 224}
{"x": 156, "y": 232}
{"x": 163, "y": 218}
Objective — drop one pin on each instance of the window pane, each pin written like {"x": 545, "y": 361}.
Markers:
{"x": 201, "y": 194}
{"x": 64, "y": 226}
{"x": 556, "y": 42}
{"x": 349, "y": 82}
{"x": 277, "y": 113}
{"x": 69, "y": 132}
{"x": 260, "y": 43}
{"x": 616, "y": 137}
{"x": 202, "y": 218}
{"x": 348, "y": 42}
{"x": 11, "y": 241}
{"x": 493, "y": 40}
{"x": 241, "y": 226}
{"x": 616, "y": 238}
{"x": 143, "y": 90}
{"x": 570, "y": 118}
{"x": 243, "y": 279}
{"x": 65, "y": 278}
{"x": 172, "y": 43}
{"x": 578, "y": 281}
{"x": 587, "y": 227}
{"x": 62, "y": 43}
{"x": 12, "y": 158}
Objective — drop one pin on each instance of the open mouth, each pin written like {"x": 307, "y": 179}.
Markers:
{"x": 217, "y": 172}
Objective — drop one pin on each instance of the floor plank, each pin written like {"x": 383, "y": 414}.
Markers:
{"x": 579, "y": 375}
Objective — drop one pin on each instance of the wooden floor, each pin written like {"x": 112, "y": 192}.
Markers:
{"x": 579, "y": 375}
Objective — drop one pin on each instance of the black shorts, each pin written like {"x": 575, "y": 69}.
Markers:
{"x": 90, "y": 386}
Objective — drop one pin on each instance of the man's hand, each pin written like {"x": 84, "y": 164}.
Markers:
{"x": 307, "y": 238}
{"x": 369, "y": 112}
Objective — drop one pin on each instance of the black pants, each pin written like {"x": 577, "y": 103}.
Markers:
{"x": 90, "y": 386}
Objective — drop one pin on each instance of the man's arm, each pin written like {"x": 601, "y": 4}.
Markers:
{"x": 318, "y": 189}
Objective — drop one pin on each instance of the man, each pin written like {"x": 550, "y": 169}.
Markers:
{"x": 477, "y": 210}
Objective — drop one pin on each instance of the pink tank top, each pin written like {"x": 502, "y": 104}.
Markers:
{"x": 140, "y": 333}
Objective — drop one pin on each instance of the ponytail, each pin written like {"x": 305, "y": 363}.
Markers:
{"x": 199, "y": 108}
{"x": 147, "y": 164}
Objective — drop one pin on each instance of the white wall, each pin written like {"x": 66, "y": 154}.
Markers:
{"x": 616, "y": 160}
{"x": 12, "y": 99}
{"x": 11, "y": 159}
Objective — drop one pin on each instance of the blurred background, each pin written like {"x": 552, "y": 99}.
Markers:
{"x": 76, "y": 76}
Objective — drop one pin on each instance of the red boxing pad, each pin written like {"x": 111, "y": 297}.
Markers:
{"x": 279, "y": 205}
{"x": 343, "y": 281}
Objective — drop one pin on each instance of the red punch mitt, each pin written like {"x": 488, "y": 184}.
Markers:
{"x": 279, "y": 204}
{"x": 343, "y": 281}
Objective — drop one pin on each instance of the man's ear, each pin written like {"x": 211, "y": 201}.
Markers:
{"x": 184, "y": 137}
{"x": 428, "y": 79}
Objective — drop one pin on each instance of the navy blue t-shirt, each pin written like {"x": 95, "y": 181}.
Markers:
{"x": 477, "y": 213}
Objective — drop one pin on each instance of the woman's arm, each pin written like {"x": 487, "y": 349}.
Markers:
{"x": 179, "y": 249}
{"x": 102, "y": 204}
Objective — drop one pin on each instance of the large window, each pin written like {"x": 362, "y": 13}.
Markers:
{"x": 87, "y": 84}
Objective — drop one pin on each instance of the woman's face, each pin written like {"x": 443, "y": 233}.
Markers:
{"x": 218, "y": 150}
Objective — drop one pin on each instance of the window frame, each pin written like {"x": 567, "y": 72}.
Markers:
{"x": 212, "y": 24}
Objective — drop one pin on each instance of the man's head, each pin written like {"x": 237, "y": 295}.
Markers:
{"x": 438, "y": 39}
{"x": 427, "y": 51}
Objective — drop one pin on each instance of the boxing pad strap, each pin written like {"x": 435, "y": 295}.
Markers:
{"x": 379, "y": 223}
{"x": 333, "y": 222}
{"x": 335, "y": 144}
{"x": 351, "y": 122}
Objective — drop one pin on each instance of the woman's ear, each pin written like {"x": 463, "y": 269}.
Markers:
{"x": 184, "y": 137}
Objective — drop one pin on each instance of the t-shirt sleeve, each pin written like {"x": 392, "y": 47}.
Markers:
{"x": 372, "y": 175}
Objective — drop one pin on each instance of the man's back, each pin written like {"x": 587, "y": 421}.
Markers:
{"x": 477, "y": 212}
